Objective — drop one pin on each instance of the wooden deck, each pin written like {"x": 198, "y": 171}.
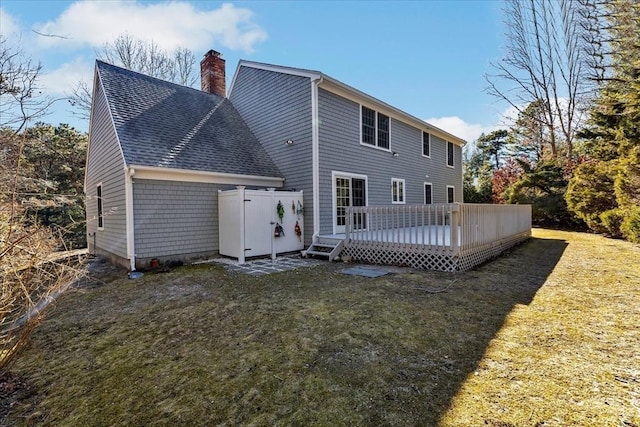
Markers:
{"x": 446, "y": 237}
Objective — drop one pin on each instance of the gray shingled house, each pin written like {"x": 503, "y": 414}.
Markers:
{"x": 159, "y": 152}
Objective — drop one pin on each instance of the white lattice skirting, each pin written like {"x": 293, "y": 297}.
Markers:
{"x": 441, "y": 260}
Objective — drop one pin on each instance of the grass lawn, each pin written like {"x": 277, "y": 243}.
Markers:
{"x": 548, "y": 335}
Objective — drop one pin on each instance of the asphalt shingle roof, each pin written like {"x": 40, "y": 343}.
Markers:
{"x": 167, "y": 125}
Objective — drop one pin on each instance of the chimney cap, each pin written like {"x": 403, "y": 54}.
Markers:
{"x": 213, "y": 53}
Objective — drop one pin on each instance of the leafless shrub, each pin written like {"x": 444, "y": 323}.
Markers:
{"x": 32, "y": 273}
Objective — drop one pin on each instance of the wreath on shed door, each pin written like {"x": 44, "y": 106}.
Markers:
{"x": 280, "y": 210}
{"x": 299, "y": 210}
{"x": 298, "y": 231}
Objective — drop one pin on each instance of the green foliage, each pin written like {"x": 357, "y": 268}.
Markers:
{"x": 476, "y": 193}
{"x": 529, "y": 138}
{"x": 477, "y": 180}
{"x": 630, "y": 227}
{"x": 611, "y": 220}
{"x": 606, "y": 191}
{"x": 627, "y": 183}
{"x": 543, "y": 187}
{"x": 489, "y": 154}
{"x": 590, "y": 192}
{"x": 51, "y": 178}
{"x": 492, "y": 145}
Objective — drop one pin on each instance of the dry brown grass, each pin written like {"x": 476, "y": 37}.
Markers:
{"x": 547, "y": 335}
{"x": 572, "y": 356}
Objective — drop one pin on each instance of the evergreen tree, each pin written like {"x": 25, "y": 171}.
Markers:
{"x": 50, "y": 189}
{"x": 606, "y": 190}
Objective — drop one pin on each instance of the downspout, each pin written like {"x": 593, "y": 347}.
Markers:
{"x": 315, "y": 155}
{"x": 128, "y": 192}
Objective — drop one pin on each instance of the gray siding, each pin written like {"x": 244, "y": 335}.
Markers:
{"x": 340, "y": 150}
{"x": 277, "y": 107}
{"x": 445, "y": 174}
{"x": 106, "y": 165}
{"x": 175, "y": 220}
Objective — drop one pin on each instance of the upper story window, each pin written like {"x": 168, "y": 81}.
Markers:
{"x": 426, "y": 144}
{"x": 375, "y": 128}
{"x": 99, "y": 201}
{"x": 451, "y": 194}
{"x": 450, "y": 154}
{"x": 428, "y": 193}
{"x": 397, "y": 191}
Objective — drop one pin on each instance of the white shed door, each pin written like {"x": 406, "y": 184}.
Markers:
{"x": 257, "y": 223}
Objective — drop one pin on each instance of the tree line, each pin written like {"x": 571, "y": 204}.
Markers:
{"x": 571, "y": 70}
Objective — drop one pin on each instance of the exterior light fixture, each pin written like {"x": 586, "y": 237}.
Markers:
{"x": 395, "y": 154}
{"x": 289, "y": 142}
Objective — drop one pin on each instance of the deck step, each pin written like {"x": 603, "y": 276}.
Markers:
{"x": 325, "y": 248}
{"x": 321, "y": 254}
{"x": 324, "y": 245}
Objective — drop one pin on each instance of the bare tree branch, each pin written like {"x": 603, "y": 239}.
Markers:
{"x": 50, "y": 35}
{"x": 21, "y": 98}
{"x": 547, "y": 62}
{"x": 146, "y": 57}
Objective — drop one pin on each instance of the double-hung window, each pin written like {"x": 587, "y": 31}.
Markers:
{"x": 99, "y": 202}
{"x": 428, "y": 193}
{"x": 450, "y": 154}
{"x": 375, "y": 128}
{"x": 397, "y": 191}
{"x": 426, "y": 144}
{"x": 451, "y": 194}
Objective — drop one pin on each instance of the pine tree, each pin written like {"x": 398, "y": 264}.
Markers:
{"x": 612, "y": 137}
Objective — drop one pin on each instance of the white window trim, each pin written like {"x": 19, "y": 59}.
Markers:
{"x": 422, "y": 145}
{"x": 334, "y": 175}
{"x": 454, "y": 193}
{"x": 395, "y": 181}
{"x": 453, "y": 157}
{"x": 424, "y": 196}
{"x": 99, "y": 214}
{"x": 388, "y": 150}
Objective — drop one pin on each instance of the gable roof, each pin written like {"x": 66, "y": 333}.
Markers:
{"x": 165, "y": 125}
{"x": 343, "y": 89}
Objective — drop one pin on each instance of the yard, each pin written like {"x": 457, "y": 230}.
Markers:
{"x": 548, "y": 335}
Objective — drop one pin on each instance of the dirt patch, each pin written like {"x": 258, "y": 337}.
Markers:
{"x": 17, "y": 395}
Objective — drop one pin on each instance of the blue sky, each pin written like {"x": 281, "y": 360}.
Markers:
{"x": 424, "y": 57}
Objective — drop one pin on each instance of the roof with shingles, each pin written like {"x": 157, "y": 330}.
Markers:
{"x": 163, "y": 124}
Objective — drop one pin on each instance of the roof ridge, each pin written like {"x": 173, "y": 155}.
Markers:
{"x": 146, "y": 76}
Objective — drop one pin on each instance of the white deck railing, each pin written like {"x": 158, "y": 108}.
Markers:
{"x": 481, "y": 225}
{"x": 436, "y": 228}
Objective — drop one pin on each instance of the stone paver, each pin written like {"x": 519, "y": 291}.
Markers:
{"x": 260, "y": 267}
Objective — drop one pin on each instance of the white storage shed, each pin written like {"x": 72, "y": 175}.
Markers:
{"x": 259, "y": 222}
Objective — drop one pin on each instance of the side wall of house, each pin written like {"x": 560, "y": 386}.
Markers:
{"x": 105, "y": 166}
{"x": 277, "y": 108}
{"x": 175, "y": 221}
{"x": 340, "y": 150}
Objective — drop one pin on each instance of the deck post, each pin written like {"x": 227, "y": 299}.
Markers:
{"x": 454, "y": 228}
{"x": 347, "y": 225}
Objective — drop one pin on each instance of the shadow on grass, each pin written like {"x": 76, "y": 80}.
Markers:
{"x": 202, "y": 346}
{"x": 493, "y": 291}
{"x": 426, "y": 343}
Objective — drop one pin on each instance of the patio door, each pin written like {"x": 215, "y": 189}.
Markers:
{"x": 349, "y": 190}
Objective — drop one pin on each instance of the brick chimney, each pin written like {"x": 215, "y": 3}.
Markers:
{"x": 212, "y": 73}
